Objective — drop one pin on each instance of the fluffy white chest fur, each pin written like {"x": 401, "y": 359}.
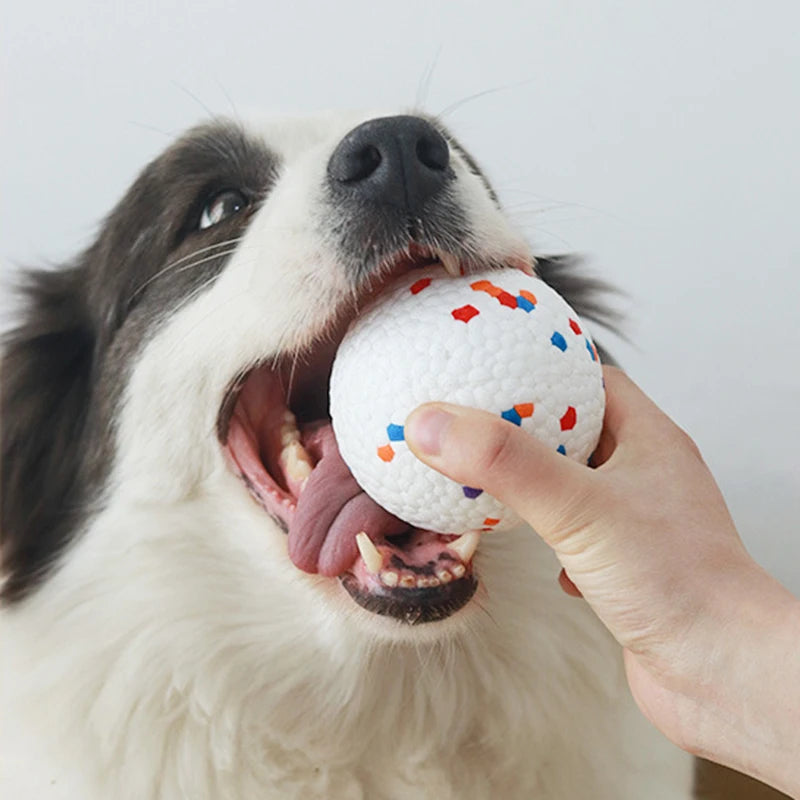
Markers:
{"x": 163, "y": 635}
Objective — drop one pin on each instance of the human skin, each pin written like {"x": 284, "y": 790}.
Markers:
{"x": 711, "y": 642}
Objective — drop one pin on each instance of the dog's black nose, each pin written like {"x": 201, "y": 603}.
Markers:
{"x": 392, "y": 161}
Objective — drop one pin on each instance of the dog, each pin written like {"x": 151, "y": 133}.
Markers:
{"x": 184, "y": 614}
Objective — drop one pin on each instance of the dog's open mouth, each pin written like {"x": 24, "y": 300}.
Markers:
{"x": 277, "y": 434}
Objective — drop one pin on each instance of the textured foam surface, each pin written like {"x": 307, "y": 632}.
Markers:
{"x": 498, "y": 340}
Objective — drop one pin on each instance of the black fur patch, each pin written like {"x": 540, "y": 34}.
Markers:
{"x": 65, "y": 364}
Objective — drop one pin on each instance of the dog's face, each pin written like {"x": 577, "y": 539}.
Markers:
{"x": 179, "y": 370}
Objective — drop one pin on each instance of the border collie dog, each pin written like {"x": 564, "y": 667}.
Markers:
{"x": 183, "y": 617}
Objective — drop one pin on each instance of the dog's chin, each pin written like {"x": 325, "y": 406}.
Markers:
{"x": 275, "y": 429}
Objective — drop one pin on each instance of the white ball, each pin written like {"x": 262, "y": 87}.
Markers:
{"x": 499, "y": 340}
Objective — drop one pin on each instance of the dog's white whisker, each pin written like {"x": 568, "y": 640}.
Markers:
{"x": 229, "y": 243}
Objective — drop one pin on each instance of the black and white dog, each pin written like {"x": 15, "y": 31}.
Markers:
{"x": 181, "y": 619}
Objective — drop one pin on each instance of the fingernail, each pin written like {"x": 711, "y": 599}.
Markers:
{"x": 425, "y": 427}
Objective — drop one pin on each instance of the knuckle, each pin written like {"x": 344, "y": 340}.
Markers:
{"x": 498, "y": 447}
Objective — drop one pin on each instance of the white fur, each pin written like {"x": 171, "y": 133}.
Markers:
{"x": 177, "y": 652}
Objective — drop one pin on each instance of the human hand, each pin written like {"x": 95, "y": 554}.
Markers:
{"x": 645, "y": 537}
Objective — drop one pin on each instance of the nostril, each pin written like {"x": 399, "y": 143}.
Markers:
{"x": 433, "y": 152}
{"x": 357, "y": 164}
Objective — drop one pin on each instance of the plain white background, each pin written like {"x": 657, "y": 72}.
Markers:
{"x": 658, "y": 138}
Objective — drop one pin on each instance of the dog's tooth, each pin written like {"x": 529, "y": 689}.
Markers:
{"x": 466, "y": 545}
{"x": 444, "y": 576}
{"x": 408, "y": 582}
{"x": 372, "y": 558}
{"x": 288, "y": 429}
{"x": 449, "y": 262}
{"x": 296, "y": 461}
{"x": 458, "y": 570}
{"x": 526, "y": 264}
{"x": 427, "y": 582}
{"x": 389, "y": 577}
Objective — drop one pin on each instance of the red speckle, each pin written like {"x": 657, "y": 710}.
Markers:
{"x": 575, "y": 327}
{"x": 422, "y": 283}
{"x": 386, "y": 453}
{"x": 569, "y": 419}
{"x": 507, "y": 299}
{"x": 489, "y": 521}
{"x": 524, "y": 409}
{"x": 465, "y": 313}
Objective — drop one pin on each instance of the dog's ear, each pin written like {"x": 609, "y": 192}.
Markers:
{"x": 44, "y": 397}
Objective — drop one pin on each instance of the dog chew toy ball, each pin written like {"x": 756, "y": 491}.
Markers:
{"x": 498, "y": 340}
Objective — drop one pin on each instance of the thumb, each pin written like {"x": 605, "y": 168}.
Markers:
{"x": 476, "y": 448}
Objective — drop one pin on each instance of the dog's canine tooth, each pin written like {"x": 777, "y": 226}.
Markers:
{"x": 372, "y": 558}
{"x": 466, "y": 545}
{"x": 449, "y": 262}
{"x": 525, "y": 263}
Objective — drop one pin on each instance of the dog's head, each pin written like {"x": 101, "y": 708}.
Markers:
{"x": 172, "y": 382}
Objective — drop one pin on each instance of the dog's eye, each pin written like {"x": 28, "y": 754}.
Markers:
{"x": 220, "y": 207}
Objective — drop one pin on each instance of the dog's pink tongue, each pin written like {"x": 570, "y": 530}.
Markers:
{"x": 331, "y": 510}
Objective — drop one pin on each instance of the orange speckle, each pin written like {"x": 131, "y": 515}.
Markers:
{"x": 486, "y": 286}
{"x": 528, "y": 296}
{"x": 489, "y": 521}
{"x": 386, "y": 453}
{"x": 524, "y": 409}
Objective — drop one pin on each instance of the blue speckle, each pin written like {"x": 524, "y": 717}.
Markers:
{"x": 561, "y": 449}
{"x": 525, "y": 304}
{"x": 472, "y": 493}
{"x": 559, "y": 341}
{"x": 395, "y": 433}
{"x": 591, "y": 350}
{"x": 512, "y": 416}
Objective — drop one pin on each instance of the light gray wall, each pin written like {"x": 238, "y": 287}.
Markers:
{"x": 660, "y": 138}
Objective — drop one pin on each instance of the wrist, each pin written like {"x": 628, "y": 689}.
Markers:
{"x": 743, "y": 700}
